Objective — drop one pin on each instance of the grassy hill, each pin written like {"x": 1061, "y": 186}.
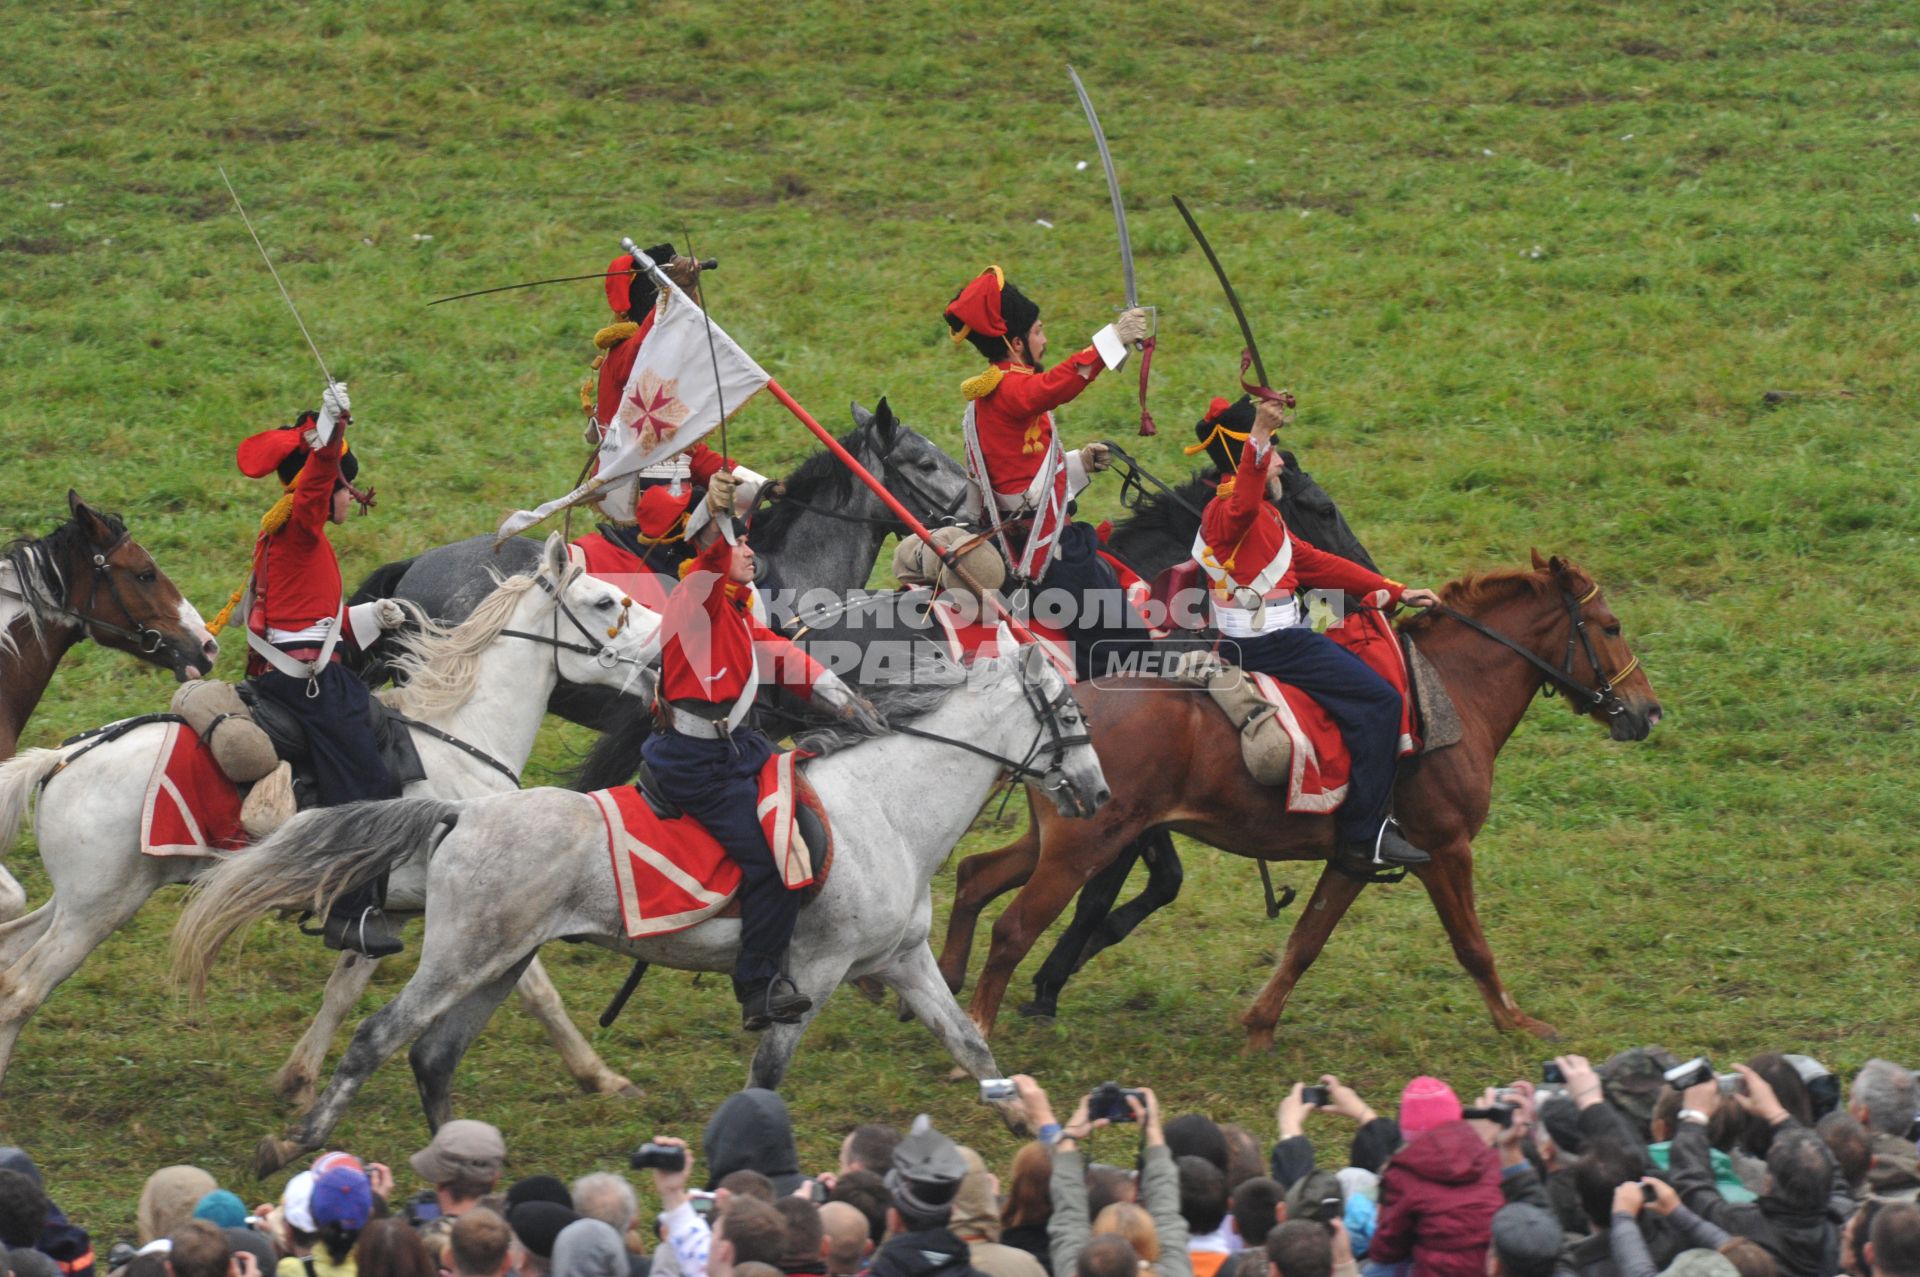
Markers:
{"x": 1629, "y": 282}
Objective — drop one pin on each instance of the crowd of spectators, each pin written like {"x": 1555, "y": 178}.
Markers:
{"x": 1642, "y": 1167}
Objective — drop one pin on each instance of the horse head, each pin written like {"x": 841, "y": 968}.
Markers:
{"x": 932, "y": 485}
{"x": 601, "y": 635}
{"x": 1062, "y": 758}
{"x": 1595, "y": 654}
{"x": 106, "y": 582}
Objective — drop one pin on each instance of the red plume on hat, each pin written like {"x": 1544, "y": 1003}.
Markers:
{"x": 660, "y": 510}
{"x": 976, "y": 308}
{"x": 620, "y": 283}
{"x": 260, "y": 455}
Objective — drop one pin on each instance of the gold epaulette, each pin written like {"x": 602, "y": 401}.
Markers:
{"x": 982, "y": 385}
{"x": 613, "y": 334}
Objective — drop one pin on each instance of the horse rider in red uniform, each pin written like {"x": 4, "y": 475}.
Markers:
{"x": 296, "y": 621}
{"x": 1023, "y": 479}
{"x": 707, "y": 760}
{"x": 1255, "y": 569}
{"x": 668, "y": 510}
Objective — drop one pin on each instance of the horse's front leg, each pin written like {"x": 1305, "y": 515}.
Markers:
{"x": 976, "y": 883}
{"x": 817, "y": 978}
{"x": 1092, "y": 909}
{"x": 542, "y": 1001}
{"x": 1331, "y": 896}
{"x": 1449, "y": 882}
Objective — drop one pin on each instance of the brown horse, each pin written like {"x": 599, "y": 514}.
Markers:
{"x": 87, "y": 579}
{"x": 1176, "y": 765}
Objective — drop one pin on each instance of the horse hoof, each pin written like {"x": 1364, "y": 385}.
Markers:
{"x": 1540, "y": 1029}
{"x": 872, "y": 988}
{"x": 271, "y": 1154}
{"x": 1016, "y": 1119}
{"x": 631, "y": 1092}
{"x": 905, "y": 1013}
{"x": 958, "y": 1074}
{"x": 1259, "y": 1042}
{"x": 1043, "y": 1011}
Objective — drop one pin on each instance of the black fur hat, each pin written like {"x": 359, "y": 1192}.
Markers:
{"x": 1223, "y": 432}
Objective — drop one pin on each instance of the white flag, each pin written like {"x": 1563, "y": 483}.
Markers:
{"x": 674, "y": 397}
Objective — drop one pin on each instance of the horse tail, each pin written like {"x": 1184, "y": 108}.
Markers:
{"x": 20, "y": 779}
{"x": 305, "y": 864}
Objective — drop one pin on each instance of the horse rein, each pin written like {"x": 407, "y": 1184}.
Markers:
{"x": 1050, "y": 777}
{"x": 148, "y": 639}
{"x": 935, "y": 511}
{"x": 599, "y": 651}
{"x": 1560, "y": 677}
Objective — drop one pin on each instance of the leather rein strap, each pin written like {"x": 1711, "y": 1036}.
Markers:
{"x": 1561, "y": 676}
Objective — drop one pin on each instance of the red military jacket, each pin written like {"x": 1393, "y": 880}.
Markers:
{"x": 1012, "y": 403}
{"x": 713, "y": 639}
{"x": 1245, "y": 534}
{"x": 296, "y": 576}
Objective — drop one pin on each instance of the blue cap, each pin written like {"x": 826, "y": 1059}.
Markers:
{"x": 342, "y": 1196}
{"x": 222, "y": 1208}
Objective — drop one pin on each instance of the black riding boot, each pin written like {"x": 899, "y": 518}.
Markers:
{"x": 769, "y": 1002}
{"x": 357, "y": 923}
{"x": 1388, "y": 847}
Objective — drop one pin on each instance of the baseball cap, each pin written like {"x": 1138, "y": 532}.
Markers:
{"x": 296, "y": 1202}
{"x": 1527, "y": 1239}
{"x": 342, "y": 1196}
{"x": 1317, "y": 1195}
{"x": 462, "y": 1149}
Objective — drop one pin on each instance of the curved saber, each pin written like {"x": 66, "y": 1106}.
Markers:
{"x": 1113, "y": 189}
{"x": 1233, "y": 298}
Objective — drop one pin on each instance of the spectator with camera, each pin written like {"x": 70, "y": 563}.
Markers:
{"x": 1070, "y": 1228}
{"x": 1634, "y": 1199}
{"x": 1792, "y": 1220}
{"x": 1439, "y": 1193}
{"x": 924, "y": 1182}
{"x": 463, "y": 1163}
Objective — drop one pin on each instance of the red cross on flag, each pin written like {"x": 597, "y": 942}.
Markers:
{"x": 688, "y": 377}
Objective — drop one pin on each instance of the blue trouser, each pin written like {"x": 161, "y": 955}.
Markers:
{"x": 717, "y": 782}
{"x": 1103, "y": 626}
{"x": 345, "y": 757}
{"x": 1362, "y": 704}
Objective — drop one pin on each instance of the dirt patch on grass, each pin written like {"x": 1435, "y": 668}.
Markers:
{"x": 34, "y": 245}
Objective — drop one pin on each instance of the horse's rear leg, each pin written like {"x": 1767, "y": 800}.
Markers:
{"x": 20, "y": 934}
{"x": 1030, "y": 914}
{"x": 977, "y": 881}
{"x": 1093, "y": 907}
{"x": 1164, "y": 877}
{"x": 442, "y": 982}
{"x": 440, "y": 1049}
{"x": 542, "y": 1002}
{"x": 295, "y": 1080}
{"x": 1449, "y": 882}
{"x": 1331, "y": 896}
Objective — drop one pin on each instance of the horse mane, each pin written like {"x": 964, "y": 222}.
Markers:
{"x": 1472, "y": 594}
{"x": 931, "y": 680}
{"x": 820, "y": 480}
{"x": 437, "y": 667}
{"x": 35, "y": 565}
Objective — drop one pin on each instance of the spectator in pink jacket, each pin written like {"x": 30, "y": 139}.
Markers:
{"x": 1439, "y": 1194}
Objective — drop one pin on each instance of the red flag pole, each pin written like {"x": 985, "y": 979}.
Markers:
{"x": 905, "y": 516}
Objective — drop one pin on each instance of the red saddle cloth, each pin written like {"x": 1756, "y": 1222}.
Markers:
{"x": 672, "y": 874}
{"x": 190, "y": 807}
{"x": 1321, "y": 763}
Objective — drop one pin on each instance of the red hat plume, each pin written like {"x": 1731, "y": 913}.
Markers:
{"x": 977, "y": 307}
{"x": 620, "y": 283}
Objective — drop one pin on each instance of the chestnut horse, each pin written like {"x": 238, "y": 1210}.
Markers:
{"x": 87, "y": 579}
{"x": 1175, "y": 763}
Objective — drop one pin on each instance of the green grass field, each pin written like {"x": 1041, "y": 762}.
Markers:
{"x": 1530, "y": 268}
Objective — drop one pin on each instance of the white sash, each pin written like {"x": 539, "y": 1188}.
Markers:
{"x": 1045, "y": 498}
{"x": 1244, "y": 611}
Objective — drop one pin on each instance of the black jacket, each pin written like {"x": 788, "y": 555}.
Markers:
{"x": 934, "y": 1253}
{"x": 1803, "y": 1243}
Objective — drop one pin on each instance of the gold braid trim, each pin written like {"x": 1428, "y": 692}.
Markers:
{"x": 674, "y": 533}
{"x": 982, "y": 385}
{"x": 219, "y": 622}
{"x": 1032, "y": 441}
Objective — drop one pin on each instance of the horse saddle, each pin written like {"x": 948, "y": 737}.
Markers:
{"x": 289, "y": 737}
{"x": 810, "y": 825}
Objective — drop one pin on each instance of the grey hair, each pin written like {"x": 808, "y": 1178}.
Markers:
{"x": 606, "y": 1197}
{"x": 1889, "y": 1095}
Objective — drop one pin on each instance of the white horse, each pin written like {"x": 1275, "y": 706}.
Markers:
{"x": 484, "y": 683}
{"x": 896, "y": 803}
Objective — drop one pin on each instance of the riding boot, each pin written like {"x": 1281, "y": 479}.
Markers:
{"x": 769, "y": 1002}
{"x": 1388, "y": 847}
{"x": 357, "y": 922}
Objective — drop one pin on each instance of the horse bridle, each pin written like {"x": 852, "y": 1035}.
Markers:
{"x": 899, "y": 478}
{"x": 1051, "y": 739}
{"x": 147, "y": 639}
{"x": 1604, "y": 698}
{"x": 594, "y": 647}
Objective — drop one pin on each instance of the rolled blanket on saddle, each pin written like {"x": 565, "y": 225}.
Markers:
{"x": 916, "y": 563}
{"x": 218, "y": 716}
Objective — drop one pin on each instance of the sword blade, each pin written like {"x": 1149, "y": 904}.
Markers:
{"x": 1113, "y": 190}
{"x": 1226, "y": 286}
{"x": 284, "y": 294}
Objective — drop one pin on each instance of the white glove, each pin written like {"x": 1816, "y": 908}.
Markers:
{"x": 1132, "y": 325}
{"x": 389, "y": 613}
{"x": 334, "y": 408}
{"x": 1096, "y": 457}
{"x": 720, "y": 490}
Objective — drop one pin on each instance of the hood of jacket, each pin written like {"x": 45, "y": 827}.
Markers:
{"x": 751, "y": 1131}
{"x": 1896, "y": 1166}
{"x": 1806, "y": 1243}
{"x": 934, "y": 1253}
{"x": 1451, "y": 1153}
{"x": 976, "y": 1214}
